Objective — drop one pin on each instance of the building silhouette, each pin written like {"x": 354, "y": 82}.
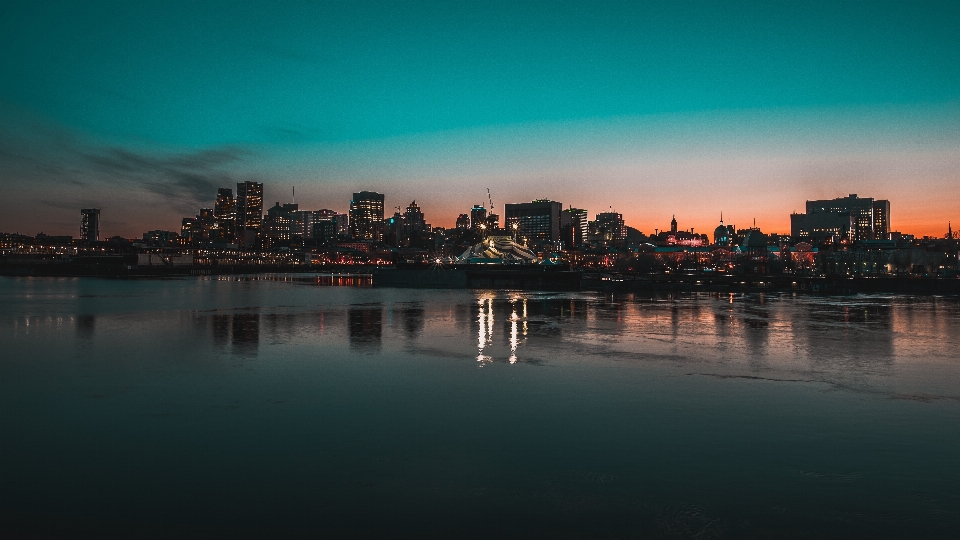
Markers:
{"x": 478, "y": 216}
{"x": 611, "y": 226}
{"x": 90, "y": 224}
{"x": 578, "y": 222}
{"x": 249, "y": 205}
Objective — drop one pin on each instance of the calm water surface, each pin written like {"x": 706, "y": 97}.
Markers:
{"x": 235, "y": 407}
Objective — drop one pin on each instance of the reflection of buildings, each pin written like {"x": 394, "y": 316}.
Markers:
{"x": 86, "y": 326}
{"x": 242, "y": 330}
{"x": 854, "y": 337}
{"x": 365, "y": 325}
{"x": 246, "y": 333}
{"x": 412, "y": 320}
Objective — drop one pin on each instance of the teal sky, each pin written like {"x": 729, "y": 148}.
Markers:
{"x": 653, "y": 108}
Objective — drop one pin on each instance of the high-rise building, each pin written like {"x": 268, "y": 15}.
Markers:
{"x": 225, "y": 212}
{"x": 871, "y": 218}
{"x": 577, "y": 220}
{"x": 881, "y": 219}
{"x": 612, "y": 227}
{"x": 478, "y": 216}
{"x": 366, "y": 216}
{"x": 90, "y": 224}
{"x": 537, "y": 221}
{"x": 249, "y": 204}
{"x": 463, "y": 221}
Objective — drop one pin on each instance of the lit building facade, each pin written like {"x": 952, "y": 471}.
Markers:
{"x": 871, "y": 217}
{"x": 249, "y": 205}
{"x": 366, "y": 216}
{"x": 225, "y": 212}
{"x": 611, "y": 225}
{"x": 579, "y": 223}
{"x": 536, "y": 222}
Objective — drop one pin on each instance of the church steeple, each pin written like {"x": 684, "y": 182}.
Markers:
{"x": 673, "y": 225}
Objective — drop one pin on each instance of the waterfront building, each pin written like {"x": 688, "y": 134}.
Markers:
{"x": 823, "y": 227}
{"x": 366, "y": 216}
{"x": 90, "y": 224}
{"x": 871, "y": 217}
{"x": 536, "y": 222}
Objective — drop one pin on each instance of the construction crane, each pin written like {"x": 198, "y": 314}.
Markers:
{"x": 490, "y": 198}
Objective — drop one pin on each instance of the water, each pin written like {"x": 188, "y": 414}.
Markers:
{"x": 255, "y": 407}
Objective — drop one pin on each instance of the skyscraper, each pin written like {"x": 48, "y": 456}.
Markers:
{"x": 366, "y": 216}
{"x": 90, "y": 224}
{"x": 225, "y": 212}
{"x": 249, "y": 206}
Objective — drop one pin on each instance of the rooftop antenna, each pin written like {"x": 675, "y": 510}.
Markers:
{"x": 294, "y": 188}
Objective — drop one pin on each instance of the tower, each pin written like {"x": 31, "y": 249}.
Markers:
{"x": 249, "y": 205}
{"x": 366, "y": 216}
{"x": 90, "y": 224}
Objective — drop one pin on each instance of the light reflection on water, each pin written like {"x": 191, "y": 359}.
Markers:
{"x": 705, "y": 415}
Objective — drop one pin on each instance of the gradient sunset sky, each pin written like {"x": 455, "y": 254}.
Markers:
{"x": 653, "y": 109}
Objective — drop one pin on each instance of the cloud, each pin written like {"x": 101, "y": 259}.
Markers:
{"x": 182, "y": 179}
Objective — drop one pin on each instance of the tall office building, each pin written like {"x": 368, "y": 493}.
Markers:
{"x": 225, "y": 213}
{"x": 871, "y": 218}
{"x": 478, "y": 216}
{"x": 342, "y": 221}
{"x": 577, "y": 220}
{"x": 611, "y": 225}
{"x": 537, "y": 221}
{"x": 881, "y": 220}
{"x": 366, "y": 216}
{"x": 278, "y": 226}
{"x": 90, "y": 224}
{"x": 249, "y": 205}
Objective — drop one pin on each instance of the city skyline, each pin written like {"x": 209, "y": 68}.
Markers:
{"x": 654, "y": 110}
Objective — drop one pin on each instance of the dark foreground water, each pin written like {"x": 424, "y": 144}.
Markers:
{"x": 238, "y": 407}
